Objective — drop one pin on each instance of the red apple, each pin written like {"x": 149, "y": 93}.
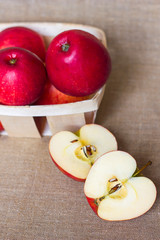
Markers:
{"x": 77, "y": 63}
{"x": 22, "y": 77}
{"x": 1, "y": 127}
{"x": 51, "y": 95}
{"x": 24, "y": 38}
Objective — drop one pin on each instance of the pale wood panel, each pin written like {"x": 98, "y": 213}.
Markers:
{"x": 20, "y": 126}
{"x": 70, "y": 122}
{"x": 90, "y": 117}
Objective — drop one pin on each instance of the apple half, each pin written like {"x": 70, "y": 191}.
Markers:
{"x": 74, "y": 154}
{"x": 114, "y": 191}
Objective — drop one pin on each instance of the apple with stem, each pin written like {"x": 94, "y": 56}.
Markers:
{"x": 22, "y": 77}
{"x": 51, "y": 95}
{"x": 74, "y": 154}
{"x": 114, "y": 189}
{"x": 78, "y": 64}
{"x": 23, "y": 37}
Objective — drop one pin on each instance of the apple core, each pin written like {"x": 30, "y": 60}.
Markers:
{"x": 115, "y": 189}
{"x": 86, "y": 153}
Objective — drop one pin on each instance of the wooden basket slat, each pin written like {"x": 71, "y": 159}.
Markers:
{"x": 90, "y": 117}
{"x": 20, "y": 126}
{"x": 70, "y": 122}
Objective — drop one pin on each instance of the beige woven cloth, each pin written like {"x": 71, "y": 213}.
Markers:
{"x": 37, "y": 202}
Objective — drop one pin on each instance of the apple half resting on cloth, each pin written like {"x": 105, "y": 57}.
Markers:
{"x": 115, "y": 191}
{"x": 74, "y": 154}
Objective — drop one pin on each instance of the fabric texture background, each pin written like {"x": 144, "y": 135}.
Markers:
{"x": 37, "y": 202}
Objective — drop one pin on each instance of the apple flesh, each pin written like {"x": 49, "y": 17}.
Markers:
{"x": 51, "y": 95}
{"x": 75, "y": 154}
{"x": 24, "y": 38}
{"x": 77, "y": 63}
{"x": 114, "y": 192}
{"x": 22, "y": 77}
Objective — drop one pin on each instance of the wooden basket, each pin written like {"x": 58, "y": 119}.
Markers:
{"x": 36, "y": 121}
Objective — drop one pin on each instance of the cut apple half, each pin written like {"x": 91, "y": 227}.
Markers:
{"x": 114, "y": 191}
{"x": 74, "y": 154}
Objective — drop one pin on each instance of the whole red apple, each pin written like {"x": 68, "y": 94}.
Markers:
{"x": 51, "y": 95}
{"x": 77, "y": 63}
{"x": 24, "y": 38}
{"x": 22, "y": 76}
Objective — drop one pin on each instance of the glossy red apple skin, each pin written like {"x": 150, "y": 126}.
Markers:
{"x": 24, "y": 38}
{"x": 1, "y": 127}
{"x": 22, "y": 82}
{"x": 66, "y": 173}
{"x": 92, "y": 204}
{"x": 83, "y": 68}
{"x": 51, "y": 96}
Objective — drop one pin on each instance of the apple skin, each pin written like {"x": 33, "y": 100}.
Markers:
{"x": 1, "y": 127}
{"x": 82, "y": 67}
{"x": 66, "y": 173}
{"x": 92, "y": 204}
{"x": 51, "y": 96}
{"x": 24, "y": 38}
{"x": 23, "y": 80}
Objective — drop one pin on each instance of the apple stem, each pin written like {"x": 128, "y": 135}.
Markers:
{"x": 140, "y": 170}
{"x": 12, "y": 61}
{"x": 65, "y": 47}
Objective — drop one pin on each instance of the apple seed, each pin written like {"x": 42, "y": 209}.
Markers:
{"x": 113, "y": 180}
{"x": 115, "y": 188}
{"x": 75, "y": 140}
{"x": 88, "y": 150}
